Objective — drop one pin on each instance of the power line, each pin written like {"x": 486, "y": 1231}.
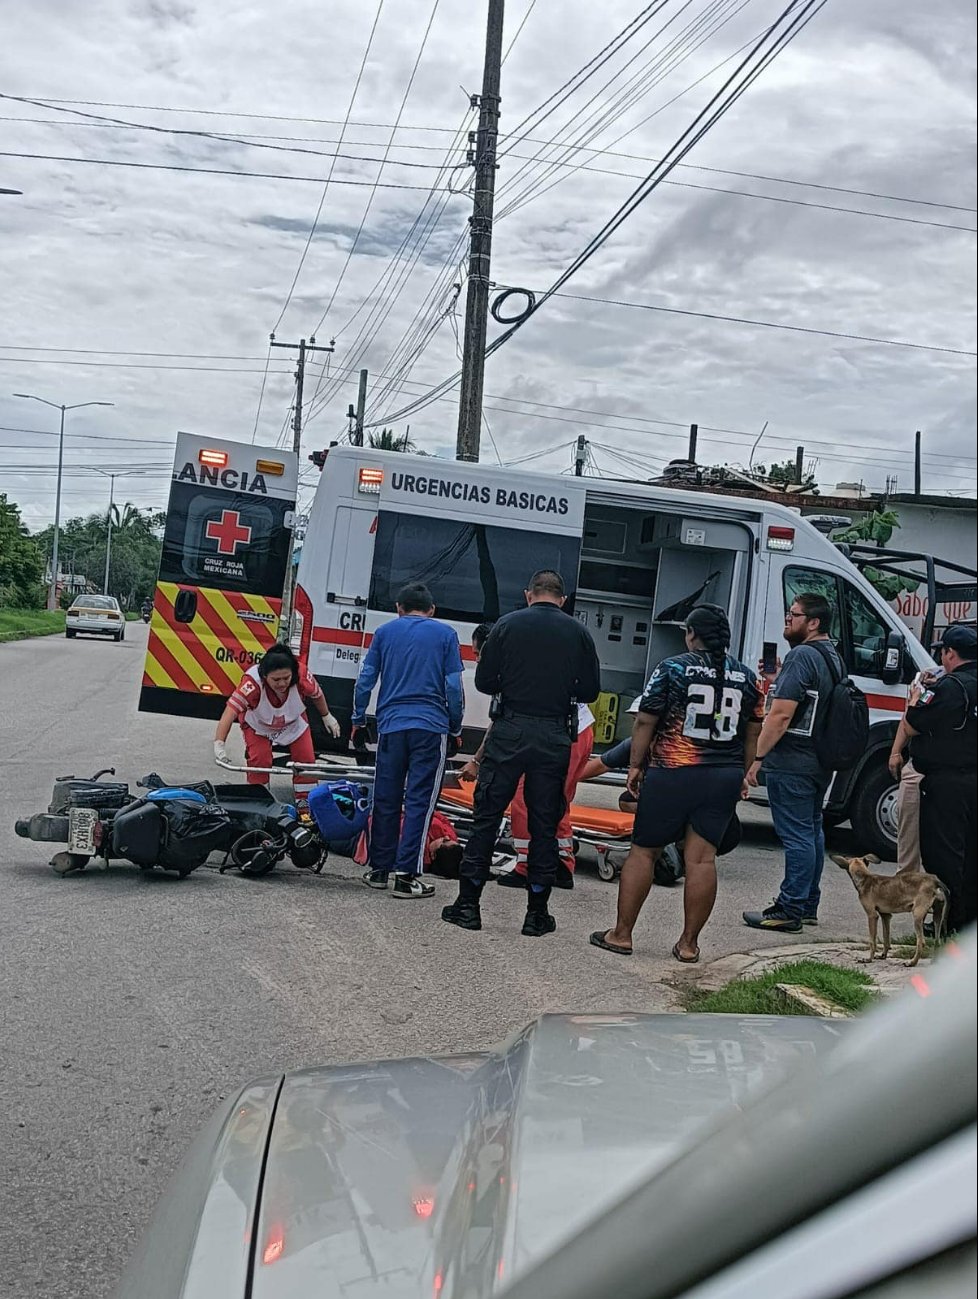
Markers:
{"x": 329, "y": 177}
{"x": 764, "y": 50}
{"x": 108, "y": 124}
{"x": 207, "y": 171}
{"x": 380, "y": 171}
{"x": 182, "y": 132}
{"x": 767, "y": 324}
{"x": 723, "y": 432}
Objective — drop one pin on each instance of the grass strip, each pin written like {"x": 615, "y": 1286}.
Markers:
{"x": 851, "y": 989}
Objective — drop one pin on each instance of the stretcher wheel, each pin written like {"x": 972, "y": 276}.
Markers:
{"x": 606, "y": 868}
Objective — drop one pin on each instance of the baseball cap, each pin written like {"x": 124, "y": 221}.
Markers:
{"x": 961, "y": 638}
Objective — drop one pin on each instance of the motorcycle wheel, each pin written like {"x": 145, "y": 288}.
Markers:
{"x": 256, "y": 853}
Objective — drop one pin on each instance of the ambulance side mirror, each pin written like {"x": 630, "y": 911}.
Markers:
{"x": 892, "y": 658}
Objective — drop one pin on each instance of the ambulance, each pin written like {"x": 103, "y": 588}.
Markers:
{"x": 635, "y": 559}
{"x": 227, "y": 547}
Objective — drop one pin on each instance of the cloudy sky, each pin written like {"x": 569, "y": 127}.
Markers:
{"x": 837, "y": 195}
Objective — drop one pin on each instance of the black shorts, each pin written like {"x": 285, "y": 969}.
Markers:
{"x": 674, "y": 798}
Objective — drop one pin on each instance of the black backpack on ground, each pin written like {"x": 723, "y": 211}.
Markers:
{"x": 842, "y": 730}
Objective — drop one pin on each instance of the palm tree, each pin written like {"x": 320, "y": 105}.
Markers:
{"x": 388, "y": 440}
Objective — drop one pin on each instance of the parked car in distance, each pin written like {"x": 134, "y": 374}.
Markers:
{"x": 95, "y": 615}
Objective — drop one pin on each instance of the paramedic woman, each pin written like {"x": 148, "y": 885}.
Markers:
{"x": 270, "y": 707}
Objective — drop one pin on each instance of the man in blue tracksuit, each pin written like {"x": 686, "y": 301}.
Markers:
{"x": 419, "y": 719}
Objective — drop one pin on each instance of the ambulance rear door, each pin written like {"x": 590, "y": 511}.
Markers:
{"x": 226, "y": 548}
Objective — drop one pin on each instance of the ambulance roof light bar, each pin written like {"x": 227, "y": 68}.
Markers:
{"x": 215, "y": 459}
{"x": 369, "y": 480}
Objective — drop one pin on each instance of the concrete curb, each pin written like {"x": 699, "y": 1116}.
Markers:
{"x": 890, "y": 976}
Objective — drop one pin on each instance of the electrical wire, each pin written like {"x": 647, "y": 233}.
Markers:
{"x": 210, "y": 171}
{"x": 584, "y": 148}
{"x": 329, "y": 177}
{"x": 383, "y": 163}
{"x": 767, "y": 324}
{"x": 261, "y": 390}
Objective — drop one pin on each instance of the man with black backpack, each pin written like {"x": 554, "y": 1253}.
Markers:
{"x": 817, "y": 722}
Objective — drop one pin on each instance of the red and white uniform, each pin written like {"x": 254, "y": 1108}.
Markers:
{"x": 518, "y": 819}
{"x": 267, "y": 718}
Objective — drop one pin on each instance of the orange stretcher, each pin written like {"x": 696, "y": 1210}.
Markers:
{"x": 607, "y": 832}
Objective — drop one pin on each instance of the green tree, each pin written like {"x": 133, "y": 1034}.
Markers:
{"x": 135, "y": 558}
{"x": 878, "y": 527}
{"x": 21, "y": 561}
{"x": 388, "y": 440}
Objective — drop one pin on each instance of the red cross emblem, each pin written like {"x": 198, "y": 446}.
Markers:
{"x": 229, "y": 533}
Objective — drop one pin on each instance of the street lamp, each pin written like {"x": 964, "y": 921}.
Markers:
{"x": 29, "y": 396}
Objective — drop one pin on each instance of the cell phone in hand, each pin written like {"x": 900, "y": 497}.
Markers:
{"x": 769, "y": 659}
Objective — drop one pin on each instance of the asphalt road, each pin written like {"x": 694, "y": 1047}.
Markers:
{"x": 132, "y": 1003}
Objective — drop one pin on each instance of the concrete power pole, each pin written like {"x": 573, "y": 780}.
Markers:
{"x": 361, "y": 410}
{"x": 304, "y": 349}
{"x": 480, "y": 244}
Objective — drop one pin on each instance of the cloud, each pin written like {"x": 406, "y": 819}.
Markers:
{"x": 874, "y": 98}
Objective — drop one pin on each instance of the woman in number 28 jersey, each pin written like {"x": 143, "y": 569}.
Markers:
{"x": 693, "y": 740}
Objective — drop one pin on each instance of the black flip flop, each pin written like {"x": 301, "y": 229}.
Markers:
{"x": 685, "y": 960}
{"x": 597, "y": 939}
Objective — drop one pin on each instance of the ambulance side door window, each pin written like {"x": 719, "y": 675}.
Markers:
{"x": 867, "y": 633}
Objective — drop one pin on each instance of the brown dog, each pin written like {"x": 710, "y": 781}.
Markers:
{"x": 883, "y": 896}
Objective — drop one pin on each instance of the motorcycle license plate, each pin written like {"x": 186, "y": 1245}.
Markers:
{"x": 81, "y": 830}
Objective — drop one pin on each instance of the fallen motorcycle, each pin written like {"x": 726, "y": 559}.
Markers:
{"x": 174, "y": 828}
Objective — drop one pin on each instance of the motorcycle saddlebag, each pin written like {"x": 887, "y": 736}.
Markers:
{"x": 137, "y": 833}
{"x": 192, "y": 832}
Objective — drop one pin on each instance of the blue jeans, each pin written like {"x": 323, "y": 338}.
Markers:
{"x": 409, "y": 770}
{"x": 796, "y": 808}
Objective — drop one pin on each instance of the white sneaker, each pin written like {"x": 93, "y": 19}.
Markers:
{"x": 412, "y": 886}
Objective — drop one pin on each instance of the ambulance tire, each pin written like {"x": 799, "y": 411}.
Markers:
{"x": 69, "y": 635}
{"x": 873, "y": 812}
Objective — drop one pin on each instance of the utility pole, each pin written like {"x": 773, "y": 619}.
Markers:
{"x": 693, "y": 434}
{"x": 916, "y": 464}
{"x": 580, "y": 456}
{"x": 357, "y": 438}
{"x": 480, "y": 243}
{"x": 108, "y": 533}
{"x": 304, "y": 349}
{"x": 799, "y": 464}
{"x": 29, "y": 396}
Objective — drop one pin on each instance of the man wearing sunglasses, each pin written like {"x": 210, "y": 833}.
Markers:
{"x": 794, "y": 777}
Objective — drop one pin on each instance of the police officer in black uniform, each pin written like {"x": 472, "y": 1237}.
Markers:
{"x": 538, "y": 664}
{"x": 944, "y": 731}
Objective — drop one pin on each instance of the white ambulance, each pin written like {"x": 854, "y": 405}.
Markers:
{"x": 636, "y": 558}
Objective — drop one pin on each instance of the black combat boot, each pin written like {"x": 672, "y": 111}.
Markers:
{"x": 464, "y": 911}
{"x": 538, "y": 920}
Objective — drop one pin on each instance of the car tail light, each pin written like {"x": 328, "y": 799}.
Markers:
{"x": 370, "y": 480}
{"x": 275, "y": 1243}
{"x": 780, "y": 538}
{"x": 116, "y": 616}
{"x": 300, "y": 634}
